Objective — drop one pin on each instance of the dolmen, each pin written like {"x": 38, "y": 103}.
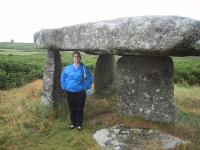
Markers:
{"x": 143, "y": 73}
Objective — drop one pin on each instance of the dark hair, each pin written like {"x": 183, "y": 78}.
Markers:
{"x": 78, "y": 53}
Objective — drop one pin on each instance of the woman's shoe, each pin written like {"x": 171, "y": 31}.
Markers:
{"x": 79, "y": 128}
{"x": 72, "y": 127}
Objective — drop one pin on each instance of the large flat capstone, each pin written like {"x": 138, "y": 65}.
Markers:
{"x": 145, "y": 35}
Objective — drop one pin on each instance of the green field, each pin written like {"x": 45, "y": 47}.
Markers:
{"x": 187, "y": 70}
{"x": 18, "y": 46}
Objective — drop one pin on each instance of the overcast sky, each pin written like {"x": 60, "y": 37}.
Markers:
{"x": 20, "y": 19}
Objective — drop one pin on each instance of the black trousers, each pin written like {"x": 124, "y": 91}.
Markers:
{"x": 76, "y": 106}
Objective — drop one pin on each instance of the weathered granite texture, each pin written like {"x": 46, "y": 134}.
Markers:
{"x": 145, "y": 35}
{"x": 104, "y": 74}
{"x": 51, "y": 79}
{"x": 145, "y": 87}
{"x": 120, "y": 137}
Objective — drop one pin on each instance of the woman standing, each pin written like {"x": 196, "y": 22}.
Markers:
{"x": 75, "y": 80}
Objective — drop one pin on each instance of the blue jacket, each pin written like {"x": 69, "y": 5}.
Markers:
{"x": 72, "y": 79}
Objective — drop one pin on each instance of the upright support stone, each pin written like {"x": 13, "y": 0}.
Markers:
{"x": 51, "y": 78}
{"x": 146, "y": 87}
{"x": 104, "y": 74}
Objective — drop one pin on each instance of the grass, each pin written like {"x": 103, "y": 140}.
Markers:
{"x": 187, "y": 98}
{"x": 27, "y": 124}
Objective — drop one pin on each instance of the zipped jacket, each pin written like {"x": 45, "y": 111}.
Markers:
{"x": 72, "y": 79}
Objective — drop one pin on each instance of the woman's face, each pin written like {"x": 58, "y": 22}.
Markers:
{"x": 76, "y": 58}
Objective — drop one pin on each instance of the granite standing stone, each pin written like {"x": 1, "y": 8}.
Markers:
{"x": 145, "y": 87}
{"x": 104, "y": 74}
{"x": 51, "y": 79}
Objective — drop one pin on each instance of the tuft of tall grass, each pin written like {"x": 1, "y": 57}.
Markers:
{"x": 19, "y": 109}
{"x": 188, "y": 98}
{"x": 27, "y": 124}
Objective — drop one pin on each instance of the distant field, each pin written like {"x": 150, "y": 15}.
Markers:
{"x": 17, "y": 46}
{"x": 187, "y": 70}
{"x": 20, "y": 52}
{"x": 7, "y": 48}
